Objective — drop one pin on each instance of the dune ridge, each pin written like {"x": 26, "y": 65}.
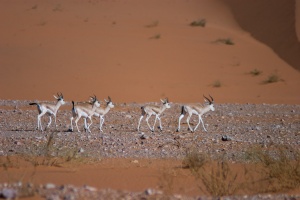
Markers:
{"x": 278, "y": 31}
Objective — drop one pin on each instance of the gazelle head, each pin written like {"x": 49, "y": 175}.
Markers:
{"x": 109, "y": 103}
{"x": 210, "y": 102}
{"x": 94, "y": 101}
{"x": 60, "y": 98}
{"x": 166, "y": 103}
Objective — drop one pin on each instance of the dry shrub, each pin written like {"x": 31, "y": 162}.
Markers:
{"x": 52, "y": 155}
{"x": 194, "y": 160}
{"x": 219, "y": 180}
{"x": 280, "y": 168}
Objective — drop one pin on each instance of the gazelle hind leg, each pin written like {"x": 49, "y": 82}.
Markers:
{"x": 76, "y": 120}
{"x": 138, "y": 128}
{"x": 147, "y": 120}
{"x": 71, "y": 127}
{"x": 188, "y": 122}
{"x": 154, "y": 122}
{"x": 179, "y": 120}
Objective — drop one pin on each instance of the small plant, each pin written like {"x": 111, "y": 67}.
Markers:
{"x": 153, "y": 24}
{"x": 217, "y": 84}
{"x": 281, "y": 168}
{"x": 255, "y": 72}
{"x": 220, "y": 180}
{"x": 157, "y": 36}
{"x": 58, "y": 8}
{"x": 226, "y": 41}
{"x": 194, "y": 160}
{"x": 201, "y": 23}
{"x": 272, "y": 79}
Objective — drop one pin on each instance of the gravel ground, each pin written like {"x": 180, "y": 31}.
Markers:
{"x": 232, "y": 130}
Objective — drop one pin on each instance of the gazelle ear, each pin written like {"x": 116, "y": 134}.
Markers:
{"x": 162, "y": 101}
{"x": 55, "y": 97}
{"x": 106, "y": 100}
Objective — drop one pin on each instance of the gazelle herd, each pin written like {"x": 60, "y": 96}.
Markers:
{"x": 87, "y": 110}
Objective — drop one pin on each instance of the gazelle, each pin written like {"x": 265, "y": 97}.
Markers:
{"x": 50, "y": 109}
{"x": 100, "y": 112}
{"x": 197, "y": 110}
{"x": 85, "y": 110}
{"x": 153, "y": 110}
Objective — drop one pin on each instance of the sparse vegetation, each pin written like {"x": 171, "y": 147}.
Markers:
{"x": 277, "y": 170}
{"x": 49, "y": 155}
{"x": 272, "y": 79}
{"x": 201, "y": 23}
{"x": 153, "y": 24}
{"x": 255, "y": 72}
{"x": 217, "y": 84}
{"x": 157, "y": 36}
{"x": 226, "y": 41}
{"x": 281, "y": 168}
{"x": 194, "y": 160}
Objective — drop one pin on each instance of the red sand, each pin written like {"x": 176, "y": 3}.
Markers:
{"x": 105, "y": 48}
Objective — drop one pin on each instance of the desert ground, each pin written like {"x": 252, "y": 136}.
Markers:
{"x": 244, "y": 54}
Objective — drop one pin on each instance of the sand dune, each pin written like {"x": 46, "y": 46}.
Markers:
{"x": 141, "y": 51}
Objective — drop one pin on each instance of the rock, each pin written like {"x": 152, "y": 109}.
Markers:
{"x": 8, "y": 193}
{"x": 226, "y": 138}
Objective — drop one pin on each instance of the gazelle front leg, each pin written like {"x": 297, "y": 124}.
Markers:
{"x": 101, "y": 123}
{"x": 200, "y": 120}
{"x": 160, "y": 126}
{"x": 88, "y": 127}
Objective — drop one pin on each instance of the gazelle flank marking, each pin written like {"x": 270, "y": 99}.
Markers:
{"x": 197, "y": 110}
{"x": 150, "y": 110}
{"x": 50, "y": 109}
{"x": 101, "y": 112}
{"x": 85, "y": 110}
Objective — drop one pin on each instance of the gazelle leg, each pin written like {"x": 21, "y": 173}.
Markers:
{"x": 71, "y": 119}
{"x": 138, "y": 128}
{"x": 76, "y": 120}
{"x": 101, "y": 123}
{"x": 50, "y": 120}
{"x": 88, "y": 127}
{"x": 39, "y": 120}
{"x": 180, "y": 118}
{"x": 156, "y": 117}
{"x": 188, "y": 122}
{"x": 55, "y": 122}
{"x": 160, "y": 126}
{"x": 200, "y": 120}
{"x": 147, "y": 118}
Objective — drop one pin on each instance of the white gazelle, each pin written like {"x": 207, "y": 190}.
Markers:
{"x": 101, "y": 112}
{"x": 197, "y": 110}
{"x": 50, "y": 109}
{"x": 85, "y": 110}
{"x": 150, "y": 110}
